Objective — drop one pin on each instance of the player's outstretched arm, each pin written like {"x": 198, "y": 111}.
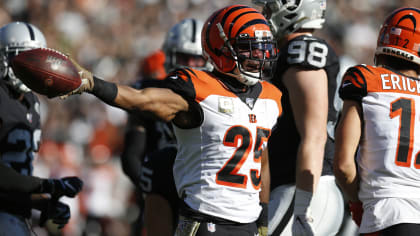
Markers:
{"x": 161, "y": 103}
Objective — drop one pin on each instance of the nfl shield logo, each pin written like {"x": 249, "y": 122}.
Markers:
{"x": 211, "y": 227}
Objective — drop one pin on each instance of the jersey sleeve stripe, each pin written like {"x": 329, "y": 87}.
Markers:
{"x": 354, "y": 84}
{"x": 185, "y": 75}
{"x": 356, "y": 77}
{"x": 191, "y": 71}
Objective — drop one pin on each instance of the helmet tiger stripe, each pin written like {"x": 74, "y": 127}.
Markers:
{"x": 225, "y": 27}
{"x": 400, "y": 35}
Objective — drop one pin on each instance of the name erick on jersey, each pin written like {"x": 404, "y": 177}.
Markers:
{"x": 389, "y": 151}
{"x": 218, "y": 163}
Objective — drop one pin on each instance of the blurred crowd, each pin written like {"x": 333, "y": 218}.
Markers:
{"x": 82, "y": 136}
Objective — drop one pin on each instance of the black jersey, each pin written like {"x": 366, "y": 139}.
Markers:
{"x": 156, "y": 175}
{"x": 158, "y": 134}
{"x": 20, "y": 136}
{"x": 307, "y": 52}
{"x": 20, "y": 129}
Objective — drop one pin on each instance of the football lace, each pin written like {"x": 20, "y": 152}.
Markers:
{"x": 53, "y": 50}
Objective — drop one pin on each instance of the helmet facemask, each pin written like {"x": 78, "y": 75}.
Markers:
{"x": 254, "y": 57}
{"x": 7, "y": 72}
{"x": 237, "y": 40}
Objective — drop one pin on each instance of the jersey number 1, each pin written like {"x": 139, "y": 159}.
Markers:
{"x": 229, "y": 175}
{"x": 404, "y": 108}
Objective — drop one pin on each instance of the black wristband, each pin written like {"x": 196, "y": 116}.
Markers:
{"x": 104, "y": 90}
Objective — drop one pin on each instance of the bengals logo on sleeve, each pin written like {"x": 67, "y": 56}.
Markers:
{"x": 354, "y": 84}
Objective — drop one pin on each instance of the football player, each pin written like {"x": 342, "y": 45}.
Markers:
{"x": 380, "y": 126}
{"x": 221, "y": 119}
{"x": 151, "y": 145}
{"x": 302, "y": 144}
{"x": 20, "y": 136}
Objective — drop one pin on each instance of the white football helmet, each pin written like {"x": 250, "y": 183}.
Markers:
{"x": 288, "y": 16}
{"x": 16, "y": 37}
{"x": 183, "y": 38}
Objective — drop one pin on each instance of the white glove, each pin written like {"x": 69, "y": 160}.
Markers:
{"x": 302, "y": 221}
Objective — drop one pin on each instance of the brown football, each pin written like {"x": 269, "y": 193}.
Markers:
{"x": 46, "y": 71}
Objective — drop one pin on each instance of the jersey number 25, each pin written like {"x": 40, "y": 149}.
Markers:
{"x": 229, "y": 175}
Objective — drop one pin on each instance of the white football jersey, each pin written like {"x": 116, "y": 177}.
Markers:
{"x": 217, "y": 168}
{"x": 389, "y": 151}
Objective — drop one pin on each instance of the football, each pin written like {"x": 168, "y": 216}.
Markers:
{"x": 46, "y": 71}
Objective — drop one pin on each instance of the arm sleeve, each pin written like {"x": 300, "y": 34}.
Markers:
{"x": 134, "y": 149}
{"x": 12, "y": 181}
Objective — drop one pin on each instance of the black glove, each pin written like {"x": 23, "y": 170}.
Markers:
{"x": 68, "y": 186}
{"x": 57, "y": 211}
{"x": 262, "y": 221}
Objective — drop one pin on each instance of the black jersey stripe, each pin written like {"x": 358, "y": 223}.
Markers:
{"x": 187, "y": 73}
{"x": 190, "y": 71}
{"x": 366, "y": 68}
{"x": 357, "y": 73}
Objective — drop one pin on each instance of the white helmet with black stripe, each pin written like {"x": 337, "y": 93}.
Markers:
{"x": 16, "y": 37}
{"x": 288, "y": 16}
{"x": 183, "y": 38}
